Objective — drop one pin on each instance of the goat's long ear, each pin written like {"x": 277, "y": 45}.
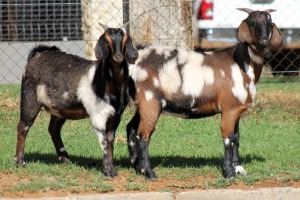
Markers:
{"x": 101, "y": 50}
{"x": 131, "y": 53}
{"x": 276, "y": 39}
{"x": 243, "y": 33}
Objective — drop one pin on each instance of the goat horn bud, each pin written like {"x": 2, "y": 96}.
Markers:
{"x": 125, "y": 25}
{"x": 247, "y": 10}
{"x": 270, "y": 10}
{"x": 105, "y": 27}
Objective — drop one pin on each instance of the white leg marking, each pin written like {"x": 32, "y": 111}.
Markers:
{"x": 226, "y": 141}
{"x": 240, "y": 170}
{"x": 62, "y": 149}
{"x": 102, "y": 141}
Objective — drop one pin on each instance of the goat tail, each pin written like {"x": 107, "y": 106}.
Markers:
{"x": 41, "y": 48}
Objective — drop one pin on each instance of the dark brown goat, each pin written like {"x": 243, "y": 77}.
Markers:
{"x": 195, "y": 85}
{"x": 70, "y": 87}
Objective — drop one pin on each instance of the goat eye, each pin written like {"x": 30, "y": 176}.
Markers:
{"x": 252, "y": 23}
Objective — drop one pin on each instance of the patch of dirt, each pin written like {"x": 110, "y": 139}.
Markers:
{"x": 121, "y": 183}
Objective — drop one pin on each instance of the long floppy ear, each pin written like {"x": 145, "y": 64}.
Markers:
{"x": 243, "y": 33}
{"x": 101, "y": 50}
{"x": 276, "y": 39}
{"x": 131, "y": 53}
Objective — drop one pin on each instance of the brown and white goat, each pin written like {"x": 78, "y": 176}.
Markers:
{"x": 71, "y": 87}
{"x": 195, "y": 85}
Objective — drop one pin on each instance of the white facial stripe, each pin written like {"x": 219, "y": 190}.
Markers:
{"x": 169, "y": 77}
{"x": 137, "y": 73}
{"x": 238, "y": 88}
{"x": 148, "y": 95}
{"x": 98, "y": 109}
{"x": 255, "y": 58}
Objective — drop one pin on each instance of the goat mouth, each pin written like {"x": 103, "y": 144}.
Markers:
{"x": 118, "y": 59}
{"x": 261, "y": 46}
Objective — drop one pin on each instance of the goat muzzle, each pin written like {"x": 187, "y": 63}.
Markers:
{"x": 263, "y": 43}
{"x": 118, "y": 58}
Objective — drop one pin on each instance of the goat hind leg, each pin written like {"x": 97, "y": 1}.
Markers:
{"x": 29, "y": 108}
{"x": 55, "y": 131}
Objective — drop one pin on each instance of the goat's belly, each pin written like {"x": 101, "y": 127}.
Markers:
{"x": 204, "y": 110}
{"x": 68, "y": 113}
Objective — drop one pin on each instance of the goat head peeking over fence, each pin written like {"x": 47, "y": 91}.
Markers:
{"x": 196, "y": 85}
{"x": 70, "y": 87}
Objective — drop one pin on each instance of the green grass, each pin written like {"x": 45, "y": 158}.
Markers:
{"x": 180, "y": 150}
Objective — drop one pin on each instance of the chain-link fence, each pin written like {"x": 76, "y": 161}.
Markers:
{"x": 73, "y": 26}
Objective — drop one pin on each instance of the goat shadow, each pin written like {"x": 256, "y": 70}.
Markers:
{"x": 162, "y": 161}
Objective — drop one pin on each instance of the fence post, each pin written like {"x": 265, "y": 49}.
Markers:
{"x": 157, "y": 22}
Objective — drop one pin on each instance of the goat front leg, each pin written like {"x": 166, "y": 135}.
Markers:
{"x": 230, "y": 140}
{"x": 132, "y": 140}
{"x": 235, "y": 157}
{"x": 55, "y": 131}
{"x": 106, "y": 144}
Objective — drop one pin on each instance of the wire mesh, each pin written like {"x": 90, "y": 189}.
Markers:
{"x": 73, "y": 26}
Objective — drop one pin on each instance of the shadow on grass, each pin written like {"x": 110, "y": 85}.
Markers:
{"x": 162, "y": 161}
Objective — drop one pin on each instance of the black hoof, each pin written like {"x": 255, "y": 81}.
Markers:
{"x": 110, "y": 172}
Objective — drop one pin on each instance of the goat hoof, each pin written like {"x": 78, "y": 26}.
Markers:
{"x": 20, "y": 163}
{"x": 64, "y": 159}
{"x": 229, "y": 173}
{"x": 112, "y": 172}
{"x": 240, "y": 171}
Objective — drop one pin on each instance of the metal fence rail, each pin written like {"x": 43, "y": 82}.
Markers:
{"x": 73, "y": 26}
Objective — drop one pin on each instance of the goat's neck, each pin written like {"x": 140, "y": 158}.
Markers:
{"x": 118, "y": 73}
{"x": 249, "y": 58}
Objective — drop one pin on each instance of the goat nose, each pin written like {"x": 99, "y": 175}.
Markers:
{"x": 264, "y": 41}
{"x": 118, "y": 57}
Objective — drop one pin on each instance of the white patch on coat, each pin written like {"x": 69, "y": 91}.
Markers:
{"x": 252, "y": 87}
{"x": 131, "y": 143}
{"x": 137, "y": 73}
{"x": 98, "y": 110}
{"x": 163, "y": 103}
{"x": 222, "y": 73}
{"x": 169, "y": 77}
{"x": 255, "y": 58}
{"x": 155, "y": 82}
{"x": 65, "y": 95}
{"x": 148, "y": 95}
{"x": 209, "y": 53}
{"x": 195, "y": 77}
{"x": 238, "y": 88}
{"x": 42, "y": 95}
